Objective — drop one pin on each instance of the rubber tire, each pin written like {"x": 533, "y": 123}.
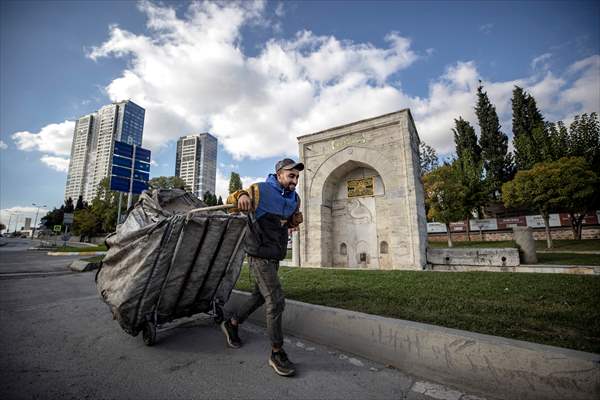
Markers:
{"x": 219, "y": 316}
{"x": 149, "y": 334}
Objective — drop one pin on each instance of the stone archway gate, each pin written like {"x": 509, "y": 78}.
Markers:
{"x": 388, "y": 144}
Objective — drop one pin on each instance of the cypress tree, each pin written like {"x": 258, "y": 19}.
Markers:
{"x": 465, "y": 141}
{"x": 235, "y": 182}
{"x": 530, "y": 134}
{"x": 470, "y": 166}
{"x": 494, "y": 145}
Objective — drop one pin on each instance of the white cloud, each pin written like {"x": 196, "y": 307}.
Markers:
{"x": 3, "y": 146}
{"x": 280, "y": 10}
{"x": 53, "y": 138}
{"x": 191, "y": 73}
{"x": 57, "y": 163}
{"x": 16, "y": 216}
{"x": 541, "y": 61}
{"x": 486, "y": 28}
{"x": 585, "y": 91}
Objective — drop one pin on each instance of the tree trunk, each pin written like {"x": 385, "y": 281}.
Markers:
{"x": 546, "y": 217}
{"x": 450, "y": 244}
{"x": 576, "y": 224}
{"x": 468, "y": 230}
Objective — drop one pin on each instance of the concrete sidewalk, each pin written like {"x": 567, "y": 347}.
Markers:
{"x": 58, "y": 340}
{"x": 497, "y": 366}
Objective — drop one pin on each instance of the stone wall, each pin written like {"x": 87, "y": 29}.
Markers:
{"x": 563, "y": 233}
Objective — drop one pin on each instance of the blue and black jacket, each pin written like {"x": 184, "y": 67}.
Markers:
{"x": 274, "y": 208}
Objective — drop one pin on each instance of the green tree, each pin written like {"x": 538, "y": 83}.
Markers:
{"x": 469, "y": 166}
{"x": 235, "y": 182}
{"x": 54, "y": 217}
{"x": 529, "y": 131}
{"x": 465, "y": 141}
{"x": 168, "y": 182}
{"x": 69, "y": 205}
{"x": 80, "y": 203}
{"x": 220, "y": 201}
{"x": 558, "y": 145}
{"x": 444, "y": 196}
{"x": 584, "y": 139}
{"x": 105, "y": 206}
{"x": 428, "y": 158}
{"x": 578, "y": 192}
{"x": 209, "y": 199}
{"x": 497, "y": 162}
{"x": 536, "y": 188}
{"x": 86, "y": 223}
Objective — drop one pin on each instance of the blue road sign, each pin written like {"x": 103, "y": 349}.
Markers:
{"x": 119, "y": 184}
{"x": 139, "y": 187}
{"x": 122, "y": 161}
{"x": 120, "y": 171}
{"x": 142, "y": 154}
{"x": 123, "y": 177}
{"x": 123, "y": 149}
{"x": 141, "y": 166}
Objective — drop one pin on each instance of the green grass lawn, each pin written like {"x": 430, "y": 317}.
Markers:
{"x": 100, "y": 247}
{"x": 568, "y": 259}
{"x": 570, "y": 245}
{"x": 555, "y": 309}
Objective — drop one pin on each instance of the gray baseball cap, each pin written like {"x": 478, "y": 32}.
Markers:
{"x": 288, "y": 163}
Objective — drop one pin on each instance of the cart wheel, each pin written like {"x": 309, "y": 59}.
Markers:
{"x": 149, "y": 333}
{"x": 218, "y": 316}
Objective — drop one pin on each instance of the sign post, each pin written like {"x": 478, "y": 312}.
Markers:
{"x": 130, "y": 172}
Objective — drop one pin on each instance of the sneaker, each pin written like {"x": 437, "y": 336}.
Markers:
{"x": 231, "y": 333}
{"x": 281, "y": 364}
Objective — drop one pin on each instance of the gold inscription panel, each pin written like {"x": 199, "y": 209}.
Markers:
{"x": 360, "y": 187}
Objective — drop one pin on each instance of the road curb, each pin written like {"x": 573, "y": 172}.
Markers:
{"x": 77, "y": 253}
{"x": 494, "y": 365}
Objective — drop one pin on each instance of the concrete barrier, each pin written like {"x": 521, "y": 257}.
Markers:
{"x": 498, "y": 367}
{"x": 83, "y": 266}
{"x": 539, "y": 268}
{"x": 502, "y": 257}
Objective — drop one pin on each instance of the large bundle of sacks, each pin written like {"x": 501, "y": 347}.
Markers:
{"x": 165, "y": 263}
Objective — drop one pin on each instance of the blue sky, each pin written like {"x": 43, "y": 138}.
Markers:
{"x": 257, "y": 75}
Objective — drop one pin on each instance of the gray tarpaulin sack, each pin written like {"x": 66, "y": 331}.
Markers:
{"x": 165, "y": 262}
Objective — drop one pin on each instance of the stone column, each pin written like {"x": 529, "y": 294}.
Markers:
{"x": 523, "y": 236}
{"x": 295, "y": 248}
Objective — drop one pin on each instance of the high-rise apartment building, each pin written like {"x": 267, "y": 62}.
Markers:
{"x": 196, "y": 162}
{"x": 82, "y": 136}
{"x": 93, "y": 142}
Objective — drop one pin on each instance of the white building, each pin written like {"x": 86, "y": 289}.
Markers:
{"x": 93, "y": 142}
{"x": 196, "y": 162}
{"x": 79, "y": 156}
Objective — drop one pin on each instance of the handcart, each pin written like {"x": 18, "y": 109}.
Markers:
{"x": 171, "y": 258}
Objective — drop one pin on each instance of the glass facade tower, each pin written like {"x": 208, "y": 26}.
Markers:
{"x": 123, "y": 121}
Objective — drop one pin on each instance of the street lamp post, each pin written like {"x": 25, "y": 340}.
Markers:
{"x": 17, "y": 214}
{"x": 36, "y": 216}
{"x": 8, "y": 226}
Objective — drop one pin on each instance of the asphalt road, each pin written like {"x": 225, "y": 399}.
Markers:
{"x": 58, "y": 340}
